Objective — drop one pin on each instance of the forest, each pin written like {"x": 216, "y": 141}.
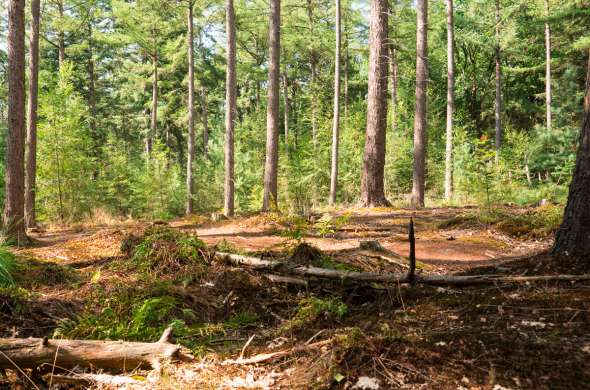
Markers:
{"x": 295, "y": 194}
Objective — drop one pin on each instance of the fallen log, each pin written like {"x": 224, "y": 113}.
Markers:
{"x": 387, "y": 278}
{"x": 120, "y": 355}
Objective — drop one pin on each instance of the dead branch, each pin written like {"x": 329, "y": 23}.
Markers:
{"x": 121, "y": 355}
{"x": 387, "y": 278}
{"x": 266, "y": 357}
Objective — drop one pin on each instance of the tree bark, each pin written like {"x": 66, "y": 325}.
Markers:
{"x": 230, "y": 109}
{"x": 272, "y": 114}
{"x": 190, "y": 184}
{"x": 548, "y": 66}
{"x": 286, "y": 104}
{"x": 14, "y": 224}
{"x": 498, "y": 105}
{"x": 336, "y": 123}
{"x": 154, "y": 113}
{"x": 121, "y": 355}
{"x": 31, "y": 142}
{"x": 393, "y": 67}
{"x": 372, "y": 180}
{"x": 61, "y": 44}
{"x": 587, "y": 94}
{"x": 450, "y": 101}
{"x": 573, "y": 236}
{"x": 313, "y": 76}
{"x": 419, "y": 172}
{"x": 205, "y": 119}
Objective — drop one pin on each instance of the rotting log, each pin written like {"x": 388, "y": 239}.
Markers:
{"x": 388, "y": 278}
{"x": 120, "y": 355}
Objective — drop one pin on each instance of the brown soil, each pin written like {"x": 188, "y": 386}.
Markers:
{"x": 492, "y": 337}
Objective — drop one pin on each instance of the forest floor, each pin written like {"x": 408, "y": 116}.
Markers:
{"x": 89, "y": 283}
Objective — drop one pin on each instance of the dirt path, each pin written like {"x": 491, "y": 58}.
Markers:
{"x": 443, "y": 250}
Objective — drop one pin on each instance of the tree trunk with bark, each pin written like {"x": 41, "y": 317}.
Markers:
{"x": 548, "y": 66}
{"x": 450, "y": 101}
{"x": 205, "y": 119}
{"x": 154, "y": 109}
{"x": 372, "y": 180}
{"x": 31, "y": 142}
{"x": 61, "y": 41}
{"x": 286, "y": 105}
{"x": 419, "y": 172}
{"x": 336, "y": 119}
{"x": 498, "y": 105}
{"x": 313, "y": 75}
{"x": 272, "y": 114}
{"x": 14, "y": 213}
{"x": 190, "y": 183}
{"x": 573, "y": 236}
{"x": 119, "y": 355}
{"x": 230, "y": 109}
{"x": 587, "y": 94}
{"x": 393, "y": 66}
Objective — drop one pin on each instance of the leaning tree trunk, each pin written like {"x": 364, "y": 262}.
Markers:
{"x": 548, "y": 66}
{"x": 14, "y": 224}
{"x": 573, "y": 237}
{"x": 419, "y": 172}
{"x": 336, "y": 123}
{"x": 272, "y": 114}
{"x": 450, "y": 101}
{"x": 372, "y": 181}
{"x": 498, "y": 105}
{"x": 31, "y": 142}
{"x": 230, "y": 109}
{"x": 587, "y": 95}
{"x": 190, "y": 183}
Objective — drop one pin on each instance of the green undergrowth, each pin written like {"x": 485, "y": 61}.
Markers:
{"x": 533, "y": 223}
{"x": 313, "y": 309}
{"x": 7, "y": 267}
{"x": 162, "y": 251}
{"x": 127, "y": 313}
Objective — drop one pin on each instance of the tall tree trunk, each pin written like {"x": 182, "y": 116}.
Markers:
{"x": 548, "y": 66}
{"x": 313, "y": 77}
{"x": 230, "y": 109}
{"x": 286, "y": 104}
{"x": 154, "y": 113}
{"x": 450, "y": 101}
{"x": 336, "y": 123}
{"x": 14, "y": 224}
{"x": 190, "y": 184}
{"x": 498, "y": 104}
{"x": 272, "y": 114}
{"x": 92, "y": 101}
{"x": 393, "y": 65}
{"x": 372, "y": 180}
{"x": 205, "y": 119}
{"x": 587, "y": 94}
{"x": 573, "y": 237}
{"x": 61, "y": 44}
{"x": 345, "y": 76}
{"x": 31, "y": 142}
{"x": 419, "y": 173}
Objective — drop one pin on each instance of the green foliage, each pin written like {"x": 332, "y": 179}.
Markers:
{"x": 312, "y": 308}
{"x": 7, "y": 268}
